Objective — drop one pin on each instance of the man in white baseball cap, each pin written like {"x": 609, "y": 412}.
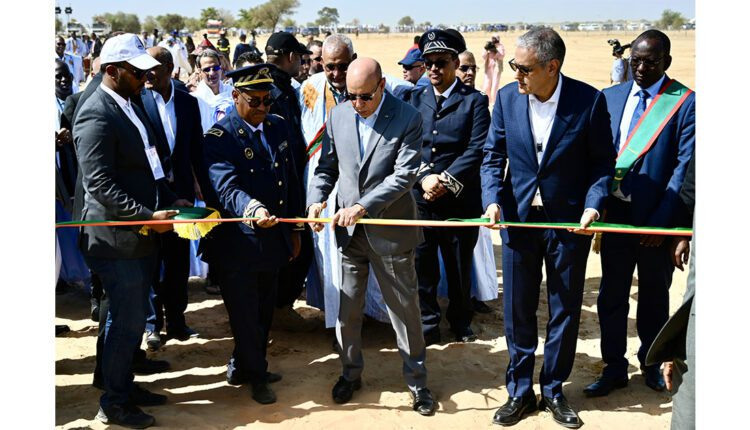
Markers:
{"x": 128, "y": 48}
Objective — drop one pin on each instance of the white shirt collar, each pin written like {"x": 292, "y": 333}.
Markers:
{"x": 446, "y": 93}
{"x": 124, "y": 104}
{"x": 253, "y": 129}
{"x": 171, "y": 94}
{"x": 555, "y": 96}
{"x": 653, "y": 90}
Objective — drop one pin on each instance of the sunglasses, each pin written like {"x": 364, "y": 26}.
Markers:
{"x": 138, "y": 73}
{"x": 409, "y": 68}
{"x": 649, "y": 64}
{"x": 525, "y": 70}
{"x": 317, "y": 59}
{"x": 341, "y": 67}
{"x": 439, "y": 63}
{"x": 215, "y": 68}
{"x": 254, "y": 102}
{"x": 364, "y": 97}
{"x": 466, "y": 68}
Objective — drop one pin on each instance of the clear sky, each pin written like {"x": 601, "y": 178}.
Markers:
{"x": 390, "y": 11}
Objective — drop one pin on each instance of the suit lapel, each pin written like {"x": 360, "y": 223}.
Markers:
{"x": 455, "y": 98}
{"x": 152, "y": 111}
{"x": 622, "y": 98}
{"x": 428, "y": 97}
{"x": 523, "y": 123}
{"x": 564, "y": 116}
{"x": 381, "y": 123}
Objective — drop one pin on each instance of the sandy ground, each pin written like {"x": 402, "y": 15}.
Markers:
{"x": 467, "y": 379}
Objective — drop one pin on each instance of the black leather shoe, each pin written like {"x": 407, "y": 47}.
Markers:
{"x": 263, "y": 394}
{"x": 273, "y": 377}
{"x": 465, "y": 335}
{"x": 146, "y": 366}
{"x": 61, "y": 329}
{"x": 424, "y": 404}
{"x": 603, "y": 385}
{"x": 654, "y": 378}
{"x": 182, "y": 333}
{"x": 514, "y": 409}
{"x": 432, "y": 338}
{"x": 562, "y": 413}
{"x": 480, "y": 306}
{"x": 343, "y": 390}
{"x": 142, "y": 397}
{"x": 153, "y": 340}
{"x": 125, "y": 415}
{"x": 239, "y": 379}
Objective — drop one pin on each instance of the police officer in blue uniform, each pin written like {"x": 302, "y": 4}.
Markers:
{"x": 251, "y": 171}
{"x": 455, "y": 123}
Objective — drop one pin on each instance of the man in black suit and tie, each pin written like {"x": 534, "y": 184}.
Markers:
{"x": 547, "y": 159}
{"x": 175, "y": 119}
{"x": 121, "y": 178}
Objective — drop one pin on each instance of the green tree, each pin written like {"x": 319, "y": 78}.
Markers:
{"x": 149, "y": 24}
{"x": 382, "y": 28}
{"x": 289, "y": 22}
{"x": 58, "y": 25}
{"x": 209, "y": 13}
{"x": 406, "y": 21}
{"x": 121, "y": 21}
{"x": 250, "y": 18}
{"x": 194, "y": 24}
{"x": 226, "y": 17}
{"x": 670, "y": 19}
{"x": 267, "y": 14}
{"x": 171, "y": 21}
{"x": 328, "y": 16}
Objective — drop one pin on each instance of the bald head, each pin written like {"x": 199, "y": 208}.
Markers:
{"x": 161, "y": 54}
{"x": 365, "y": 84}
{"x": 363, "y": 71}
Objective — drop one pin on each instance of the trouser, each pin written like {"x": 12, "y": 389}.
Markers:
{"x": 249, "y": 297}
{"x": 565, "y": 265}
{"x": 126, "y": 283}
{"x": 398, "y": 283}
{"x": 292, "y": 276}
{"x": 169, "y": 296}
{"x": 456, "y": 246}
{"x": 621, "y": 254}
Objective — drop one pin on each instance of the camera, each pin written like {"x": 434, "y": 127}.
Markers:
{"x": 617, "y": 48}
{"x": 490, "y": 45}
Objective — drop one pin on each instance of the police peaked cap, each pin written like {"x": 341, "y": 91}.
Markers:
{"x": 257, "y": 77}
{"x": 433, "y": 41}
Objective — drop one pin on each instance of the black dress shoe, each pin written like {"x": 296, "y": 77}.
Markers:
{"x": 432, "y": 338}
{"x": 654, "y": 378}
{"x": 238, "y": 379}
{"x": 514, "y": 409}
{"x": 562, "y": 413}
{"x": 147, "y": 366}
{"x": 182, "y": 333}
{"x": 603, "y": 385}
{"x": 125, "y": 415}
{"x": 465, "y": 335}
{"x": 61, "y": 329}
{"x": 343, "y": 390}
{"x": 273, "y": 377}
{"x": 142, "y": 397}
{"x": 263, "y": 394}
{"x": 424, "y": 404}
{"x": 480, "y": 306}
{"x": 153, "y": 340}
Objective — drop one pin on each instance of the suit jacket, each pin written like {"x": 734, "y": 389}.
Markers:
{"x": 659, "y": 174}
{"x": 187, "y": 151}
{"x": 244, "y": 177}
{"x": 116, "y": 181}
{"x": 381, "y": 181}
{"x": 453, "y": 138}
{"x": 576, "y": 168}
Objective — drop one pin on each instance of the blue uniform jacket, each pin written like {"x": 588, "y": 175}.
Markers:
{"x": 244, "y": 176}
{"x": 452, "y": 144}
{"x": 577, "y": 166}
{"x": 660, "y": 173}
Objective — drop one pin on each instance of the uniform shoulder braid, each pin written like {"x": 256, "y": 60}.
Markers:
{"x": 214, "y": 131}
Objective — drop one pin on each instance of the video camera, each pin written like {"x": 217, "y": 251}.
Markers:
{"x": 490, "y": 45}
{"x": 617, "y": 48}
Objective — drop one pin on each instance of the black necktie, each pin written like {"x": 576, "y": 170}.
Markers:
{"x": 440, "y": 100}
{"x": 259, "y": 139}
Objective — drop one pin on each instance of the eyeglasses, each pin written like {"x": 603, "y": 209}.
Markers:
{"x": 317, "y": 59}
{"x": 649, "y": 64}
{"x": 341, "y": 67}
{"x": 208, "y": 69}
{"x": 305, "y": 61}
{"x": 525, "y": 70}
{"x": 439, "y": 63}
{"x": 138, "y": 73}
{"x": 254, "y": 102}
{"x": 364, "y": 97}
{"x": 466, "y": 68}
{"x": 409, "y": 68}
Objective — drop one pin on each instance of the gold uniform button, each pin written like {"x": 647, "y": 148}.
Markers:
{"x": 281, "y": 183}
{"x": 434, "y": 131}
{"x": 434, "y": 150}
{"x": 437, "y": 116}
{"x": 281, "y": 202}
{"x": 432, "y": 164}
{"x": 275, "y": 164}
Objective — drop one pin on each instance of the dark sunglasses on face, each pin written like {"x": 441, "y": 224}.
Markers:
{"x": 409, "y": 68}
{"x": 341, "y": 67}
{"x": 255, "y": 102}
{"x": 439, "y": 63}
{"x": 466, "y": 68}
{"x": 525, "y": 70}
{"x": 138, "y": 73}
{"x": 317, "y": 59}
{"x": 208, "y": 69}
{"x": 364, "y": 97}
{"x": 636, "y": 62}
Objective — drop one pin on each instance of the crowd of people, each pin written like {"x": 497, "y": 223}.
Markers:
{"x": 316, "y": 131}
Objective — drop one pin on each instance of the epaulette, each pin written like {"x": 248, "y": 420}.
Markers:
{"x": 215, "y": 132}
{"x": 277, "y": 115}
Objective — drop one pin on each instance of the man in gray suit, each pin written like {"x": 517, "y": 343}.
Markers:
{"x": 372, "y": 148}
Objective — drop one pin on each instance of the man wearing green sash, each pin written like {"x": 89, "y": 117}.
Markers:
{"x": 653, "y": 124}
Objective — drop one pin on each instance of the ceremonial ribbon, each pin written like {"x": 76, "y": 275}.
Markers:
{"x": 596, "y": 227}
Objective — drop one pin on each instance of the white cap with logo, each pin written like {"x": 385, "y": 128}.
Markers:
{"x": 129, "y": 48}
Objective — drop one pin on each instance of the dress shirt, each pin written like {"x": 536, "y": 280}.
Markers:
{"x": 446, "y": 93}
{"x": 167, "y": 115}
{"x": 541, "y": 117}
{"x": 128, "y": 109}
{"x": 365, "y": 125}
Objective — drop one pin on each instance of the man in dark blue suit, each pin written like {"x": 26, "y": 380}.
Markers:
{"x": 174, "y": 116}
{"x": 547, "y": 159}
{"x": 455, "y": 119}
{"x": 645, "y": 193}
{"x": 252, "y": 172}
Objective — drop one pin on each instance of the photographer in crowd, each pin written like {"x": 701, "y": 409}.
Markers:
{"x": 620, "y": 71}
{"x": 493, "y": 55}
